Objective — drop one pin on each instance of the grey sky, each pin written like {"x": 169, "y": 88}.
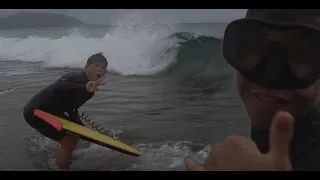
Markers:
{"x": 110, "y": 16}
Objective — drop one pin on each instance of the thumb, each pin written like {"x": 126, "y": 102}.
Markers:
{"x": 94, "y": 84}
{"x": 191, "y": 165}
{"x": 89, "y": 84}
{"x": 281, "y": 134}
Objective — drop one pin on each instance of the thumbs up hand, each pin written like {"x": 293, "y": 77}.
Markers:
{"x": 241, "y": 154}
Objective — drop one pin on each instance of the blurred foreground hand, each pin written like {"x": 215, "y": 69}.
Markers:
{"x": 241, "y": 154}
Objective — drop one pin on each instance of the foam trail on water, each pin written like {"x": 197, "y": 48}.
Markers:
{"x": 6, "y": 91}
{"x": 130, "y": 49}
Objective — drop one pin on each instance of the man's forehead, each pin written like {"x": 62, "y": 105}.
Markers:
{"x": 100, "y": 63}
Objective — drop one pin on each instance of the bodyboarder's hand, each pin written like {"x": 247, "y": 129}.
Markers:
{"x": 93, "y": 86}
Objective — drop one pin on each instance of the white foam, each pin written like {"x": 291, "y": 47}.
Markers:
{"x": 6, "y": 91}
{"x": 15, "y": 72}
{"x": 155, "y": 156}
{"x": 131, "y": 50}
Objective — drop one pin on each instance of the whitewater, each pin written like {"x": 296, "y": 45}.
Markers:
{"x": 129, "y": 52}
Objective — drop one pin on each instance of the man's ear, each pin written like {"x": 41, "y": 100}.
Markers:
{"x": 86, "y": 66}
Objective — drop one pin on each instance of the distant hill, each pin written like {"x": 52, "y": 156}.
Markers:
{"x": 37, "y": 20}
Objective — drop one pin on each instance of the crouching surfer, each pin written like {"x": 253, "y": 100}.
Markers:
{"x": 66, "y": 95}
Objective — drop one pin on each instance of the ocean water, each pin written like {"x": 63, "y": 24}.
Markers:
{"x": 169, "y": 93}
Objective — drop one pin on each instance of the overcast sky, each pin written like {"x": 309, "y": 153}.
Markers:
{"x": 110, "y": 16}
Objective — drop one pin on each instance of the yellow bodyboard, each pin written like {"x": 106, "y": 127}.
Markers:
{"x": 88, "y": 134}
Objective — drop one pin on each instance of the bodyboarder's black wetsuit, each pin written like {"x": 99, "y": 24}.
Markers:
{"x": 305, "y": 145}
{"x": 65, "y": 95}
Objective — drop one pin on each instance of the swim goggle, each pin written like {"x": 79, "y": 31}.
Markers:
{"x": 282, "y": 58}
